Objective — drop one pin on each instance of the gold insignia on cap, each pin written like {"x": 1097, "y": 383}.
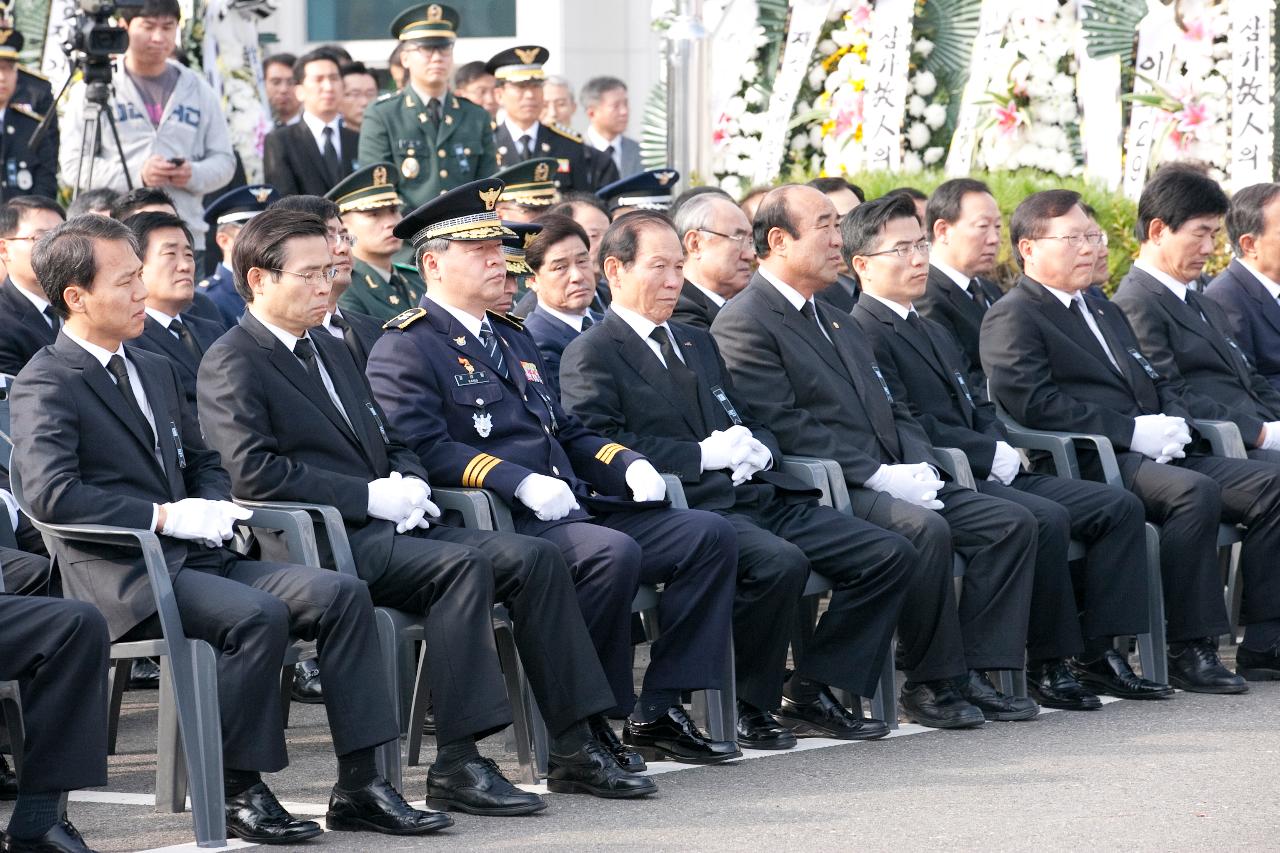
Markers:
{"x": 663, "y": 178}
{"x": 528, "y": 55}
{"x": 490, "y": 197}
{"x": 528, "y": 240}
{"x": 542, "y": 172}
{"x": 380, "y": 176}
{"x": 4, "y": 35}
{"x": 434, "y": 14}
{"x": 261, "y": 194}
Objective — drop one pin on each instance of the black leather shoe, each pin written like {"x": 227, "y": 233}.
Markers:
{"x": 674, "y": 737}
{"x": 306, "y": 683}
{"x": 429, "y": 721}
{"x": 628, "y": 759}
{"x": 256, "y": 816}
{"x": 756, "y": 729}
{"x": 978, "y": 691}
{"x": 8, "y": 781}
{"x": 1112, "y": 675}
{"x": 144, "y": 674}
{"x": 1250, "y": 665}
{"x": 380, "y": 808}
{"x": 826, "y": 717}
{"x": 594, "y": 770}
{"x": 938, "y": 705}
{"x": 1198, "y": 669}
{"x": 476, "y": 786}
{"x": 1054, "y": 686}
{"x": 62, "y": 837}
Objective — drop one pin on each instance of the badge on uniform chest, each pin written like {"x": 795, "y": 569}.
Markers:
{"x": 472, "y": 376}
{"x": 483, "y": 423}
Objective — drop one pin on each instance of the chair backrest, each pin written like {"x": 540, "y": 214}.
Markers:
{"x": 6, "y": 439}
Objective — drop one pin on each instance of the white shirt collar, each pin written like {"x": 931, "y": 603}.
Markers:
{"x": 1271, "y": 286}
{"x": 426, "y": 99}
{"x": 710, "y": 294}
{"x": 469, "y": 321}
{"x": 642, "y": 326}
{"x": 160, "y": 317}
{"x": 289, "y": 339}
{"x": 102, "y": 355}
{"x": 573, "y": 321}
{"x": 1063, "y": 296}
{"x": 788, "y": 292}
{"x": 598, "y": 140}
{"x": 901, "y": 310}
{"x": 39, "y": 302}
{"x": 516, "y": 133}
{"x": 1178, "y": 288}
{"x": 328, "y": 322}
{"x": 316, "y": 126}
{"x": 961, "y": 280}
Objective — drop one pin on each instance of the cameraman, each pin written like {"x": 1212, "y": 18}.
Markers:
{"x": 170, "y": 121}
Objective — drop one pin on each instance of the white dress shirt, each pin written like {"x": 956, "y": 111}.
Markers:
{"x": 39, "y": 302}
{"x": 516, "y": 133}
{"x": 597, "y": 140}
{"x": 469, "y": 321}
{"x": 573, "y": 321}
{"x": 328, "y": 323}
{"x": 715, "y": 298}
{"x": 316, "y": 126}
{"x": 793, "y": 296}
{"x": 1175, "y": 287}
{"x": 644, "y": 327}
{"x": 958, "y": 278}
{"x": 290, "y": 340}
{"x": 1066, "y": 299}
{"x": 1271, "y": 286}
{"x": 902, "y": 311}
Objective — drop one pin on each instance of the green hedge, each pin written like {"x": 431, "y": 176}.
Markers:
{"x": 1116, "y": 213}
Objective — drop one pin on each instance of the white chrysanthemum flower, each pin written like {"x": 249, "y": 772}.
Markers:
{"x": 925, "y": 83}
{"x": 915, "y": 106}
{"x": 933, "y": 155}
{"x": 911, "y": 162}
{"x": 923, "y": 46}
{"x": 935, "y": 115}
{"x": 918, "y": 135}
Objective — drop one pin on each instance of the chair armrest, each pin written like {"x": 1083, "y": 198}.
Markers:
{"x": 335, "y": 529}
{"x": 1224, "y": 438}
{"x": 954, "y": 462}
{"x": 811, "y": 472}
{"x": 295, "y": 524}
{"x": 836, "y": 491}
{"x": 480, "y": 509}
{"x": 675, "y": 491}
{"x": 1064, "y": 457}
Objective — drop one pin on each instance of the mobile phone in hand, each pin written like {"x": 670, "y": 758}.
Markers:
{"x": 177, "y": 161}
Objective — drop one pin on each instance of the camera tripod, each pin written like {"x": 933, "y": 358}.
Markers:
{"x": 97, "y": 78}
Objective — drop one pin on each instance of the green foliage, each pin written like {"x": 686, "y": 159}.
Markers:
{"x": 1111, "y": 28}
{"x": 772, "y": 16}
{"x": 653, "y": 128}
{"x": 952, "y": 26}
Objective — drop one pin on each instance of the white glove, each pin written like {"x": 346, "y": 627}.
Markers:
{"x": 750, "y": 457}
{"x": 405, "y": 501}
{"x": 201, "y": 520}
{"x": 1006, "y": 464}
{"x": 719, "y": 447}
{"x": 419, "y": 494}
{"x": 645, "y": 482}
{"x": 1271, "y": 435}
{"x": 915, "y": 484}
{"x": 549, "y": 498}
{"x": 1160, "y": 437}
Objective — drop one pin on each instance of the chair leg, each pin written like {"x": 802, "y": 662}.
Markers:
{"x": 541, "y": 745}
{"x": 719, "y": 707}
{"x": 12, "y": 718}
{"x": 418, "y": 712}
{"x": 117, "y": 683}
{"x": 884, "y": 705}
{"x": 1151, "y": 645}
{"x": 286, "y": 694}
{"x": 171, "y": 782}
{"x": 195, "y": 690}
{"x": 388, "y": 756}
{"x": 513, "y": 675}
{"x": 1229, "y": 560}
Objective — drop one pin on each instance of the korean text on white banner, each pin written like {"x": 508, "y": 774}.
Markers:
{"x": 888, "y": 86}
{"x": 1158, "y": 36}
{"x": 991, "y": 23}
{"x": 1252, "y": 92}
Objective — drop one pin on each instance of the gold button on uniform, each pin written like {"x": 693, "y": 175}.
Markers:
{"x": 441, "y": 154}
{"x": 444, "y": 173}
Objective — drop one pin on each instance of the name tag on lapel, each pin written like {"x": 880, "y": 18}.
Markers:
{"x": 177, "y": 443}
{"x": 479, "y": 377}
{"x": 1146, "y": 365}
{"x": 964, "y": 386}
{"x": 718, "y": 393}
{"x": 884, "y": 386}
{"x": 1231, "y": 342}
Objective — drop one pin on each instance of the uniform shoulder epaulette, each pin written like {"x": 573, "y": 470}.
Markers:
{"x": 563, "y": 131}
{"x": 405, "y": 319}
{"x": 386, "y": 96}
{"x": 26, "y": 111}
{"x": 25, "y": 70}
{"x": 510, "y": 319}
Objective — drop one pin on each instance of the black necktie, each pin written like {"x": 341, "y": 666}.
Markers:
{"x": 608, "y": 151}
{"x": 306, "y": 353}
{"x": 433, "y": 111}
{"x": 810, "y": 312}
{"x": 330, "y": 156}
{"x": 587, "y": 322}
{"x": 684, "y": 379}
{"x": 1077, "y": 311}
{"x": 490, "y": 342}
{"x": 348, "y": 337}
{"x": 526, "y": 142}
{"x": 55, "y": 322}
{"x": 188, "y": 340}
{"x": 1193, "y": 301}
{"x": 116, "y": 367}
{"x": 975, "y": 290}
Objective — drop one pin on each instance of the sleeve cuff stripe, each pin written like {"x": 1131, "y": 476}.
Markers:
{"x": 473, "y": 476}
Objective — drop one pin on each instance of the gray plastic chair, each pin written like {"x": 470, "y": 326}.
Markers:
{"x": 11, "y": 712}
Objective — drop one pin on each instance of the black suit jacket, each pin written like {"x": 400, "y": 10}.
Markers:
{"x": 820, "y": 399}
{"x": 1254, "y": 317}
{"x": 284, "y": 440}
{"x": 581, "y": 167}
{"x": 616, "y": 386}
{"x": 292, "y": 163}
{"x": 159, "y": 340}
{"x": 694, "y": 308}
{"x": 1191, "y": 345}
{"x": 23, "y": 329}
{"x": 363, "y": 333}
{"x": 842, "y": 295}
{"x": 84, "y": 458}
{"x": 929, "y": 372}
{"x": 552, "y": 335}
{"x": 1049, "y": 372}
{"x": 958, "y": 313}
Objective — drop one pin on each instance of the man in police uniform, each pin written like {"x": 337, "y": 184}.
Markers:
{"x": 463, "y": 387}
{"x": 436, "y": 140}
{"x": 370, "y": 208}
{"x": 22, "y": 171}
{"x": 530, "y": 188}
{"x": 522, "y": 136}
{"x": 227, "y": 215}
{"x": 651, "y": 190}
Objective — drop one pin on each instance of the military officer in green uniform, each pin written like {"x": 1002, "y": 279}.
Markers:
{"x": 370, "y": 209}
{"x": 531, "y": 188}
{"x": 436, "y": 139}
{"x": 522, "y": 136}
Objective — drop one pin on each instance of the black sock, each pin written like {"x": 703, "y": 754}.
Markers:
{"x": 34, "y": 814}
{"x": 236, "y": 782}
{"x": 571, "y": 739}
{"x": 356, "y": 769}
{"x": 802, "y": 690}
{"x": 1262, "y": 636}
{"x": 652, "y": 704}
{"x": 450, "y": 755}
{"x": 1095, "y": 648}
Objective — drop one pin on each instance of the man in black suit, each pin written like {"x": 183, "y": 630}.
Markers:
{"x": 27, "y": 323}
{"x": 719, "y": 256}
{"x": 1069, "y": 655}
{"x": 311, "y": 156}
{"x": 843, "y": 294}
{"x": 168, "y": 271}
{"x": 1249, "y": 288}
{"x": 294, "y": 417}
{"x": 963, "y": 228}
{"x": 1188, "y": 341}
{"x": 102, "y": 435}
{"x": 815, "y": 385}
{"x": 565, "y": 285}
{"x": 1062, "y": 361}
{"x": 57, "y": 652}
{"x": 662, "y": 388}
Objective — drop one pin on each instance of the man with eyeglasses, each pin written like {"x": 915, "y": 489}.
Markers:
{"x": 27, "y": 321}
{"x": 815, "y": 384}
{"x": 719, "y": 257}
{"x": 1059, "y": 360}
{"x": 1070, "y": 656}
{"x": 436, "y": 140}
{"x": 1188, "y": 339}
{"x": 369, "y": 203}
